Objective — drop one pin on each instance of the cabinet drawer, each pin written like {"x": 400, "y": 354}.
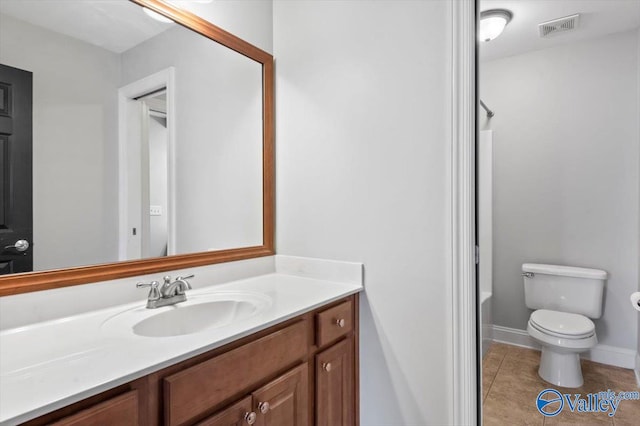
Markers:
{"x": 121, "y": 410}
{"x": 197, "y": 389}
{"x": 334, "y": 323}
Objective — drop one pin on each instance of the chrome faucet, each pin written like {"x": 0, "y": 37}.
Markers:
{"x": 169, "y": 293}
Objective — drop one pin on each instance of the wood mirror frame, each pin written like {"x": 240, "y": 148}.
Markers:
{"x": 44, "y": 280}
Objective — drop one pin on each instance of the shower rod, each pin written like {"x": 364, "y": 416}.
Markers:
{"x": 489, "y": 112}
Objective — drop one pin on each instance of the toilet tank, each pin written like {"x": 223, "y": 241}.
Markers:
{"x": 564, "y": 288}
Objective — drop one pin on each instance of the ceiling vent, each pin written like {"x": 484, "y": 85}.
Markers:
{"x": 550, "y": 28}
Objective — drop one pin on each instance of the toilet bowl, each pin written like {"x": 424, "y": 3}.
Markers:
{"x": 563, "y": 299}
{"x": 562, "y": 336}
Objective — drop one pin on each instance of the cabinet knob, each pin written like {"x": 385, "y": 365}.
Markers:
{"x": 250, "y": 418}
{"x": 340, "y": 322}
{"x": 326, "y": 366}
{"x": 263, "y": 407}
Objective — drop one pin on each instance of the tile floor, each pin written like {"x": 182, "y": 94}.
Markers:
{"x": 510, "y": 386}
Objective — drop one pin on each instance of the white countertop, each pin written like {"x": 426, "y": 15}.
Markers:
{"x": 48, "y": 365}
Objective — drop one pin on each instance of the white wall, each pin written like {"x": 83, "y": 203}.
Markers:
{"x": 566, "y": 176}
{"x": 362, "y": 175}
{"x": 74, "y": 150}
{"x": 218, "y": 147}
{"x": 158, "y": 190}
{"x": 251, "y": 20}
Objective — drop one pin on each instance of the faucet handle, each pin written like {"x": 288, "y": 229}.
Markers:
{"x": 154, "y": 293}
{"x": 152, "y": 284}
{"x": 166, "y": 279}
{"x": 185, "y": 284}
{"x": 188, "y": 277}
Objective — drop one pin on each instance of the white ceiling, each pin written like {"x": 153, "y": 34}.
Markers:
{"x": 118, "y": 25}
{"x": 115, "y": 25}
{"x": 597, "y": 18}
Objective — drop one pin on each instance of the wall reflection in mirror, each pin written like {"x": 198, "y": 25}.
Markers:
{"x": 146, "y": 137}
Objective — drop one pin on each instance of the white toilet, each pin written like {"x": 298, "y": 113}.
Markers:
{"x": 563, "y": 296}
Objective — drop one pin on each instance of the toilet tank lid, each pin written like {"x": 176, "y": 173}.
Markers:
{"x": 566, "y": 271}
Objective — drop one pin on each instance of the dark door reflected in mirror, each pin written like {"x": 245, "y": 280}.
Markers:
{"x": 16, "y": 223}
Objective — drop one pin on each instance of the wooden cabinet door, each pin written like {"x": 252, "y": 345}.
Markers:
{"x": 284, "y": 401}
{"x": 238, "y": 414}
{"x": 335, "y": 405}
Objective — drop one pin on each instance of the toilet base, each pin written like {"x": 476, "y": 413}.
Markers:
{"x": 561, "y": 369}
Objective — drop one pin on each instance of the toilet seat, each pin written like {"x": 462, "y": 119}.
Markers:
{"x": 562, "y": 324}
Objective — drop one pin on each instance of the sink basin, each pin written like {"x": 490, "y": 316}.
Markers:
{"x": 198, "y": 313}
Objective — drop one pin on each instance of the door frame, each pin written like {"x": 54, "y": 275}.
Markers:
{"x": 464, "y": 331}
{"x": 162, "y": 79}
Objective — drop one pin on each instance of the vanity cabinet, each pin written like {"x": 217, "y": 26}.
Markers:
{"x": 300, "y": 372}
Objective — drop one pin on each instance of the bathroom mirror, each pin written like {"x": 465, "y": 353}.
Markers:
{"x": 150, "y": 143}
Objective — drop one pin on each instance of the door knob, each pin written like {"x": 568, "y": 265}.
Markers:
{"x": 326, "y": 366}
{"x": 20, "y": 245}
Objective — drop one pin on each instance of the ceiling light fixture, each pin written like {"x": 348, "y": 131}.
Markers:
{"x": 493, "y": 22}
{"x": 157, "y": 16}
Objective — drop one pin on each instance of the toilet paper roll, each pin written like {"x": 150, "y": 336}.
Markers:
{"x": 635, "y": 300}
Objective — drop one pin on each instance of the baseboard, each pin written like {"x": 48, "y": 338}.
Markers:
{"x": 604, "y": 354}
{"x": 514, "y": 336}
{"x": 637, "y": 369}
{"x": 612, "y": 355}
